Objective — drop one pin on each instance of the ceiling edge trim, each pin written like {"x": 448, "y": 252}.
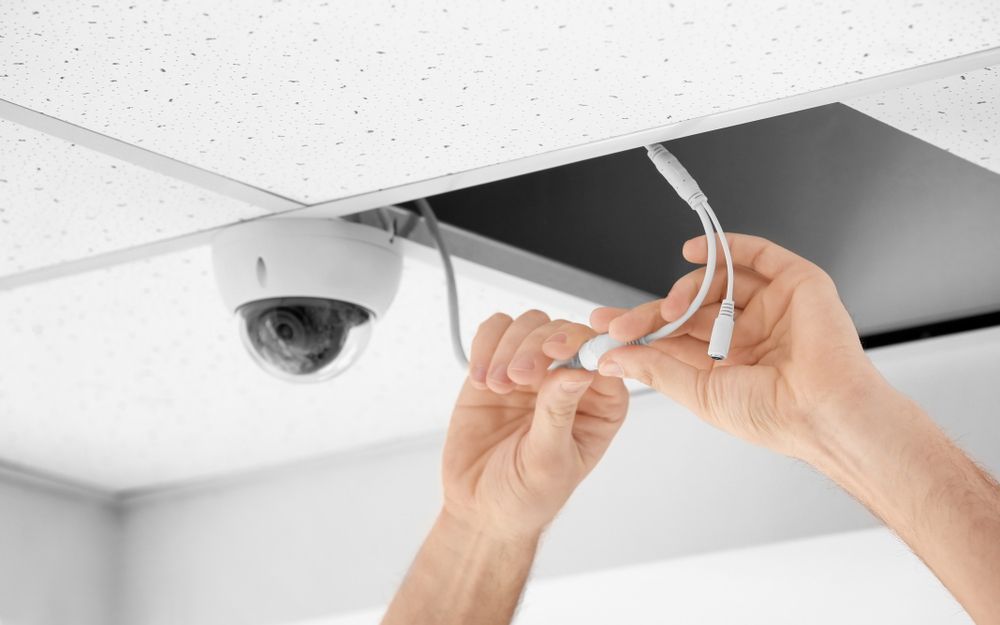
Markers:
{"x": 407, "y": 444}
{"x": 401, "y": 445}
{"x": 14, "y": 473}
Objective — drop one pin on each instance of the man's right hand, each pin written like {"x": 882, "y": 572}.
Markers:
{"x": 797, "y": 381}
{"x": 794, "y": 353}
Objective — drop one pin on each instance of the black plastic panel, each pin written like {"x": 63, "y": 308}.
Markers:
{"x": 908, "y": 231}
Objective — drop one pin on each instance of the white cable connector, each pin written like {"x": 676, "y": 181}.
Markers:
{"x": 674, "y": 173}
{"x": 722, "y": 331}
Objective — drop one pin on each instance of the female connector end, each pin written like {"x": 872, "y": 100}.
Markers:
{"x": 722, "y": 332}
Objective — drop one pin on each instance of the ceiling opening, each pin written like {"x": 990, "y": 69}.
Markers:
{"x": 896, "y": 221}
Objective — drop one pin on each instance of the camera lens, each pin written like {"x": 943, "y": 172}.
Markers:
{"x": 304, "y": 339}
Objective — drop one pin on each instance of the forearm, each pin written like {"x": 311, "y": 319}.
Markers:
{"x": 463, "y": 574}
{"x": 883, "y": 449}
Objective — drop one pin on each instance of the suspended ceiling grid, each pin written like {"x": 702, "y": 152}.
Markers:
{"x": 60, "y": 202}
{"x": 327, "y": 100}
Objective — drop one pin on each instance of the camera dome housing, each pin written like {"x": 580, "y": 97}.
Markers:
{"x": 306, "y": 292}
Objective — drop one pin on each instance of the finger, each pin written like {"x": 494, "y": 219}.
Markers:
{"x": 655, "y": 369}
{"x": 567, "y": 341}
{"x": 483, "y": 345}
{"x": 573, "y": 336}
{"x": 642, "y": 320}
{"x": 563, "y": 344}
{"x": 602, "y": 317}
{"x": 687, "y": 349}
{"x": 766, "y": 258}
{"x": 496, "y": 377}
{"x": 652, "y": 316}
{"x": 702, "y": 322}
{"x": 529, "y": 363}
{"x": 555, "y": 410}
{"x": 746, "y": 284}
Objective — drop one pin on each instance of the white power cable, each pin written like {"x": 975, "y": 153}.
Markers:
{"x": 684, "y": 184}
{"x": 725, "y": 250}
{"x": 591, "y": 351}
{"x": 722, "y": 329}
{"x": 706, "y": 282}
{"x": 456, "y": 331}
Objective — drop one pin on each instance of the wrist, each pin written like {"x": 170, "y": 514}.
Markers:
{"x": 464, "y": 528}
{"x": 867, "y": 435}
{"x": 464, "y": 573}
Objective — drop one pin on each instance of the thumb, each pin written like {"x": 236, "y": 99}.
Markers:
{"x": 555, "y": 408}
{"x": 655, "y": 369}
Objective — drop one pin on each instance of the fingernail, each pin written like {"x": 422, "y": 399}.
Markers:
{"x": 523, "y": 363}
{"x": 573, "y": 386}
{"x": 499, "y": 374}
{"x": 611, "y": 369}
{"x": 478, "y": 374}
{"x": 559, "y": 337}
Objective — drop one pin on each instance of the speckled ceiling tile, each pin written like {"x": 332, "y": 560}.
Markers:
{"x": 134, "y": 375}
{"x": 60, "y": 202}
{"x": 323, "y": 100}
{"x": 960, "y": 114}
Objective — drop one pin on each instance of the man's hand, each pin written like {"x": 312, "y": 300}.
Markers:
{"x": 795, "y": 350}
{"x": 797, "y": 381}
{"x": 522, "y": 437}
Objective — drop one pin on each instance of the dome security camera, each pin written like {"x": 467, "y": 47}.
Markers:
{"x": 306, "y": 291}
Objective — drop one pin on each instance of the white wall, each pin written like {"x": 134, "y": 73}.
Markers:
{"x": 338, "y": 535}
{"x": 58, "y": 554}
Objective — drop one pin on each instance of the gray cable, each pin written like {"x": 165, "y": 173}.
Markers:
{"x": 387, "y": 223}
{"x": 449, "y": 272}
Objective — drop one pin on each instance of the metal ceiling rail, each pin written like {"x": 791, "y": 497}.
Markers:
{"x": 154, "y": 161}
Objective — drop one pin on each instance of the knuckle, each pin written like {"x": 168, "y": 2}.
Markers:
{"x": 825, "y": 281}
{"x": 822, "y": 276}
{"x": 534, "y": 315}
{"x": 577, "y": 329}
{"x": 649, "y": 378}
{"x": 762, "y": 251}
{"x": 560, "y": 414}
{"x": 501, "y": 316}
{"x": 645, "y": 375}
{"x": 495, "y": 318}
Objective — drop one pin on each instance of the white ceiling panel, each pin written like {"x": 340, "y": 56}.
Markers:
{"x": 960, "y": 114}
{"x": 60, "y": 202}
{"x": 324, "y": 100}
{"x": 134, "y": 375}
